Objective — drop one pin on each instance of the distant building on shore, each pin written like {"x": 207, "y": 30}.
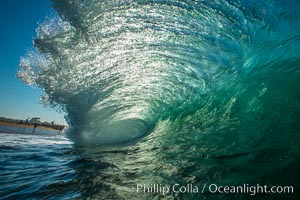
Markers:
{"x": 35, "y": 120}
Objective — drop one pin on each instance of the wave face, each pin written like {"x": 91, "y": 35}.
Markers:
{"x": 216, "y": 74}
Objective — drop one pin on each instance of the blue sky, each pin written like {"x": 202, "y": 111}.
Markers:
{"x": 19, "y": 20}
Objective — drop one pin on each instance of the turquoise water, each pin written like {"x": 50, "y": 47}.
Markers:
{"x": 165, "y": 92}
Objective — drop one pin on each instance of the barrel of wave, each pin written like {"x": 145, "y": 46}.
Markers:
{"x": 118, "y": 132}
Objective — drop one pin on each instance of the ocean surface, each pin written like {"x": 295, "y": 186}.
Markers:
{"x": 162, "y": 92}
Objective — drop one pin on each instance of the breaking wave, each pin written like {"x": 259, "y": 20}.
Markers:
{"x": 221, "y": 74}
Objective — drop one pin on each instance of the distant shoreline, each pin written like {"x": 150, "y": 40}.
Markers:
{"x": 29, "y": 125}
